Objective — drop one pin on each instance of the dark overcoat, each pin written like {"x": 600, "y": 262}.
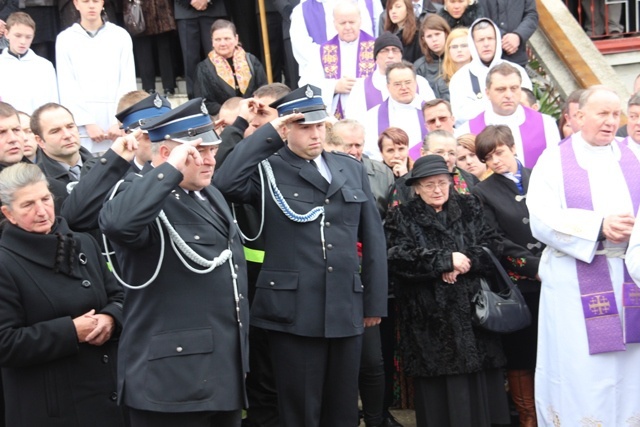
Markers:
{"x": 506, "y": 210}
{"x": 183, "y": 348}
{"x": 437, "y": 336}
{"x": 49, "y": 378}
{"x": 301, "y": 289}
{"x": 519, "y": 17}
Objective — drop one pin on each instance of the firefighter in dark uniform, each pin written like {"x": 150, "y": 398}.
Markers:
{"x": 184, "y": 341}
{"x": 311, "y": 294}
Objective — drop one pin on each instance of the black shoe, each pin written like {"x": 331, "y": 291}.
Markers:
{"x": 169, "y": 92}
{"x": 150, "y": 91}
{"x": 390, "y": 422}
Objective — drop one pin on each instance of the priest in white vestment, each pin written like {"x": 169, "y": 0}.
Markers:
{"x": 341, "y": 61}
{"x": 403, "y": 109}
{"x": 312, "y": 25}
{"x": 532, "y": 131}
{"x": 583, "y": 195}
{"x": 372, "y": 90}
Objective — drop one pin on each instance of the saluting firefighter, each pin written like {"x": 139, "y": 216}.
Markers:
{"x": 311, "y": 294}
{"x": 184, "y": 345}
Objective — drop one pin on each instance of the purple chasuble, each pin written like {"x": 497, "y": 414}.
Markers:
{"x": 331, "y": 63}
{"x": 531, "y": 133}
{"x": 383, "y": 124}
{"x": 314, "y": 20}
{"x": 604, "y": 330}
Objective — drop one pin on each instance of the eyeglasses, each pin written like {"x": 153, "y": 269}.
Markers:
{"x": 458, "y": 46}
{"x": 390, "y": 50}
{"x": 406, "y": 83}
{"x": 431, "y": 186}
{"x": 440, "y": 119}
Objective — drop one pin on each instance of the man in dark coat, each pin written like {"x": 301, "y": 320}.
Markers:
{"x": 261, "y": 389}
{"x": 57, "y": 135}
{"x": 311, "y": 294}
{"x": 517, "y": 20}
{"x": 184, "y": 346}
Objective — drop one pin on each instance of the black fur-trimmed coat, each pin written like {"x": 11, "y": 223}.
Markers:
{"x": 437, "y": 336}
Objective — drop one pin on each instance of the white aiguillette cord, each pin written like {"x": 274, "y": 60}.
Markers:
{"x": 278, "y": 198}
{"x": 179, "y": 247}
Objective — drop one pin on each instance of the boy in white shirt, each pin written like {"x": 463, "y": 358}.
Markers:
{"x": 28, "y": 80}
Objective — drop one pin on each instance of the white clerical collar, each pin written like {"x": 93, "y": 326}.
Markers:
{"x": 349, "y": 44}
{"x": 609, "y": 148}
{"x": 515, "y": 119}
{"x": 413, "y": 105}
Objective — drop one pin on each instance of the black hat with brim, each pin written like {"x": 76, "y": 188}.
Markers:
{"x": 427, "y": 166}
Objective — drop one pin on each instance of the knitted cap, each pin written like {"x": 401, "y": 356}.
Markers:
{"x": 386, "y": 39}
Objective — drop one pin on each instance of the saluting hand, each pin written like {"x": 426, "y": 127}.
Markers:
{"x": 281, "y": 123}
{"x": 182, "y": 156}
{"x": 126, "y": 146}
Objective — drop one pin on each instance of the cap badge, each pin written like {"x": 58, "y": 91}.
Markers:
{"x": 308, "y": 93}
{"x": 203, "y": 108}
{"x": 157, "y": 102}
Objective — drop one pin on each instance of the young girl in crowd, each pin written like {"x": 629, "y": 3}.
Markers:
{"x": 400, "y": 20}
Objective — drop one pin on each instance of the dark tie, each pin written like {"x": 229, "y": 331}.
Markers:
{"x": 211, "y": 212}
{"x": 74, "y": 173}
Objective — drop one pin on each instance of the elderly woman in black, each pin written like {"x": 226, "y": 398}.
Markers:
{"x": 59, "y": 313}
{"x": 436, "y": 261}
{"x": 503, "y": 195}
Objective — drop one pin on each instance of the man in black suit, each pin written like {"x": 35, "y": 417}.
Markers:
{"x": 313, "y": 295}
{"x": 183, "y": 350}
{"x": 57, "y": 135}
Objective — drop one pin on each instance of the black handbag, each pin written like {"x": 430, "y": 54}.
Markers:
{"x": 133, "y": 17}
{"x": 504, "y": 311}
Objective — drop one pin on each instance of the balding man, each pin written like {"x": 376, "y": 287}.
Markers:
{"x": 312, "y": 25}
{"x": 342, "y": 60}
{"x": 583, "y": 197}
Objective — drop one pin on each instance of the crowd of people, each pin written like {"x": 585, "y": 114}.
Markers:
{"x": 290, "y": 251}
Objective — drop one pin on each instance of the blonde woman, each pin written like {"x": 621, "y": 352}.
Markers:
{"x": 456, "y": 52}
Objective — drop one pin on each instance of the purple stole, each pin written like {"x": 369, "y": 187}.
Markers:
{"x": 531, "y": 132}
{"x": 605, "y": 333}
{"x": 314, "y": 19}
{"x": 383, "y": 124}
{"x": 330, "y": 57}
{"x": 372, "y": 95}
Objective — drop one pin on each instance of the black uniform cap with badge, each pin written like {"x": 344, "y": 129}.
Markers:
{"x": 306, "y": 100}
{"x": 184, "y": 124}
{"x": 141, "y": 112}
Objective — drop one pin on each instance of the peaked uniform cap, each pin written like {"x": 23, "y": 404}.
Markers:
{"x": 136, "y": 115}
{"x": 306, "y": 100}
{"x": 185, "y": 123}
